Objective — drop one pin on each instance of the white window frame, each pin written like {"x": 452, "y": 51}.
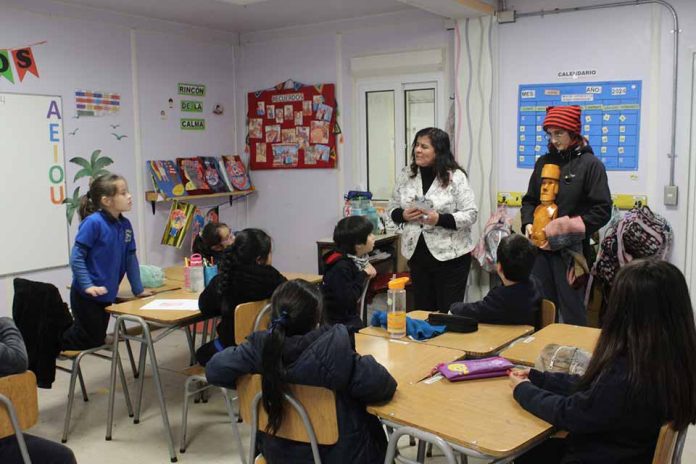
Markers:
{"x": 398, "y": 84}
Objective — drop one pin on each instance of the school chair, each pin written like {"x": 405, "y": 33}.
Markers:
{"x": 18, "y": 393}
{"x": 424, "y": 437}
{"x": 362, "y": 303}
{"x": 310, "y": 414}
{"x": 670, "y": 445}
{"x": 75, "y": 356}
{"x": 248, "y": 318}
{"x": 547, "y": 314}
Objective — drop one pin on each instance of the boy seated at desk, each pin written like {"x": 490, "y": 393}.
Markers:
{"x": 519, "y": 298}
{"x": 346, "y": 270}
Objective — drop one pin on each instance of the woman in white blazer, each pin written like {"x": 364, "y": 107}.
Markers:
{"x": 434, "y": 203}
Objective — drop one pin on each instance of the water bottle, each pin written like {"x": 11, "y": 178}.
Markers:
{"x": 196, "y": 273}
{"x": 396, "y": 307}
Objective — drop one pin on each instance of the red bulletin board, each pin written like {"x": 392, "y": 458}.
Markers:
{"x": 291, "y": 126}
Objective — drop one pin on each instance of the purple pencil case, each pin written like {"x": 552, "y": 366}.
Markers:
{"x": 475, "y": 368}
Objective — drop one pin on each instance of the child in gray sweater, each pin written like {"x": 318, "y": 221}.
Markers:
{"x": 14, "y": 360}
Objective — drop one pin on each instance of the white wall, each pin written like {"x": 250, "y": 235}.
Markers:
{"x": 163, "y": 61}
{"x": 91, "y": 50}
{"x": 297, "y": 207}
{"x": 621, "y": 44}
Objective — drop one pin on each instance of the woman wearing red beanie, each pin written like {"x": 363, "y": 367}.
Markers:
{"x": 583, "y": 192}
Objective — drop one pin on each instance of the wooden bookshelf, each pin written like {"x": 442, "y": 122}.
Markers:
{"x": 155, "y": 197}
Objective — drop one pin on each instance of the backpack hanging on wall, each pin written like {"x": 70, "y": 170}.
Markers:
{"x": 639, "y": 234}
{"x": 498, "y": 226}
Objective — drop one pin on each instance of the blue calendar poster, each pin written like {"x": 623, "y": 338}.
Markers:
{"x": 610, "y": 120}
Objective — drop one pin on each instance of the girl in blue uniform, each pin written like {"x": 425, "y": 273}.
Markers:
{"x": 104, "y": 252}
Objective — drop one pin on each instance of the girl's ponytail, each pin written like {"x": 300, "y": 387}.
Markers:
{"x": 273, "y": 384}
{"x": 86, "y": 207}
{"x": 296, "y": 308}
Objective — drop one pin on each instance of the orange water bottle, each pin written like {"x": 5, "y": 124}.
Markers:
{"x": 396, "y": 307}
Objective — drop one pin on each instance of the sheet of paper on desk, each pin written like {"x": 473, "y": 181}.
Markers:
{"x": 172, "y": 305}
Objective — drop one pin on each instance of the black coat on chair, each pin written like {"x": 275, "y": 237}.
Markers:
{"x": 41, "y": 316}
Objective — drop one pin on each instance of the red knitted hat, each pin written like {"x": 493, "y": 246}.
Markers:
{"x": 565, "y": 117}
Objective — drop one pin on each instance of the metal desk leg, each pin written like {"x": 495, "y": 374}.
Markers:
{"x": 141, "y": 383}
{"x": 192, "y": 345}
{"x": 147, "y": 340}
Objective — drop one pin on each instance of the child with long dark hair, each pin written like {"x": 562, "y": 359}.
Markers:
{"x": 104, "y": 252}
{"x": 245, "y": 274}
{"x": 642, "y": 375}
{"x": 297, "y": 350}
{"x": 212, "y": 241}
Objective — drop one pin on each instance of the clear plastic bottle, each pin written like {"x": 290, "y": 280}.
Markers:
{"x": 196, "y": 277}
{"x": 396, "y": 307}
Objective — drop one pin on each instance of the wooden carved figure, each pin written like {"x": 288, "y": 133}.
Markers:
{"x": 547, "y": 211}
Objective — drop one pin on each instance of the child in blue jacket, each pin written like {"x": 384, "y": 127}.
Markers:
{"x": 297, "y": 350}
{"x": 104, "y": 252}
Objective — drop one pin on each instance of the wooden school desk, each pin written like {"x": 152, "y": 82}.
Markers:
{"x": 407, "y": 361}
{"x": 168, "y": 320}
{"x": 526, "y": 351}
{"x": 477, "y": 417}
{"x": 486, "y": 341}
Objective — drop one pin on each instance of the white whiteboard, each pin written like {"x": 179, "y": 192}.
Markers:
{"x": 34, "y": 233}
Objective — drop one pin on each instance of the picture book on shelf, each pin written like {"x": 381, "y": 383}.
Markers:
{"x": 212, "y": 172}
{"x": 197, "y": 224}
{"x": 165, "y": 178}
{"x": 192, "y": 175}
{"x": 178, "y": 222}
{"x": 236, "y": 173}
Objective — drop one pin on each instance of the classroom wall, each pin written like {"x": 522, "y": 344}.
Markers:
{"x": 627, "y": 43}
{"x": 298, "y": 207}
{"x": 163, "y": 60}
{"x": 93, "y": 50}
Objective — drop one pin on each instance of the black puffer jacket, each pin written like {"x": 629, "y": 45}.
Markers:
{"x": 324, "y": 358}
{"x": 583, "y": 188}
{"x": 252, "y": 283}
{"x": 342, "y": 286}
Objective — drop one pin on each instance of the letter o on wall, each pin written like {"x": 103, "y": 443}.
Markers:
{"x": 51, "y": 174}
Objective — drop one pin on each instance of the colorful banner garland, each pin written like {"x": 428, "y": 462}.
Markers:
{"x": 23, "y": 59}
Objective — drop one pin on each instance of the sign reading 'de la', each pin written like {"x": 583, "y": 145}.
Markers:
{"x": 194, "y": 90}
{"x": 192, "y": 124}
{"x": 191, "y": 106}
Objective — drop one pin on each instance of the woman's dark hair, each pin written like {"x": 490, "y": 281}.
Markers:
{"x": 102, "y": 186}
{"x": 650, "y": 323}
{"x": 210, "y": 234}
{"x": 296, "y": 308}
{"x": 444, "y": 159}
{"x": 251, "y": 246}
{"x": 351, "y": 231}
{"x": 516, "y": 255}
